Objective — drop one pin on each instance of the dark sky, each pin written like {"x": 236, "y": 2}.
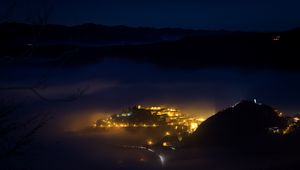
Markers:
{"x": 204, "y": 14}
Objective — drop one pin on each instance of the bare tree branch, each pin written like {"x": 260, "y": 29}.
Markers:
{"x": 74, "y": 96}
{"x": 16, "y": 135}
{"x": 8, "y": 12}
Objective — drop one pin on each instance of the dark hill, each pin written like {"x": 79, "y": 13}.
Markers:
{"x": 245, "y": 122}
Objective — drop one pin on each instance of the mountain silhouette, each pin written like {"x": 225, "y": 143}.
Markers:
{"x": 245, "y": 122}
{"x": 96, "y": 34}
{"x": 164, "y": 47}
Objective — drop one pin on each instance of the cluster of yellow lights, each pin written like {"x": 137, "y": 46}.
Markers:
{"x": 175, "y": 119}
{"x": 287, "y": 130}
{"x": 165, "y": 144}
{"x": 161, "y": 110}
{"x": 122, "y": 125}
{"x": 171, "y": 109}
{"x": 191, "y": 126}
{"x": 290, "y": 127}
{"x": 154, "y": 108}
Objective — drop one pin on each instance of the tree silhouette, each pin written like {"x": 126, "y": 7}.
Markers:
{"x": 16, "y": 135}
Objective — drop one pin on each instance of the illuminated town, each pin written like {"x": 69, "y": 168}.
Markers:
{"x": 167, "y": 128}
{"x": 170, "y": 121}
{"x": 293, "y": 122}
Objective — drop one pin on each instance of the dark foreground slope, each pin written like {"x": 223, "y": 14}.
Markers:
{"x": 249, "y": 127}
{"x": 247, "y": 135}
{"x": 239, "y": 123}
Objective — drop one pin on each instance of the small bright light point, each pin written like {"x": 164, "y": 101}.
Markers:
{"x": 179, "y": 138}
{"x": 150, "y": 142}
{"x": 276, "y": 38}
{"x": 166, "y": 144}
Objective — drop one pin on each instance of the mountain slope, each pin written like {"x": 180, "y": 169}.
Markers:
{"x": 242, "y": 123}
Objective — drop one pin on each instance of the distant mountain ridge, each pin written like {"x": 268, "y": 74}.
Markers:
{"x": 165, "y": 47}
{"x": 95, "y": 33}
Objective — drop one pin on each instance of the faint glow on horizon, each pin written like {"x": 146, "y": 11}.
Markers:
{"x": 201, "y": 119}
{"x": 193, "y": 126}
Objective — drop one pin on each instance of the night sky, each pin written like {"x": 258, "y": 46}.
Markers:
{"x": 259, "y": 15}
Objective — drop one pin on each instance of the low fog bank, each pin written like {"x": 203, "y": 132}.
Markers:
{"x": 104, "y": 150}
{"x": 77, "y": 150}
{"x": 112, "y": 85}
